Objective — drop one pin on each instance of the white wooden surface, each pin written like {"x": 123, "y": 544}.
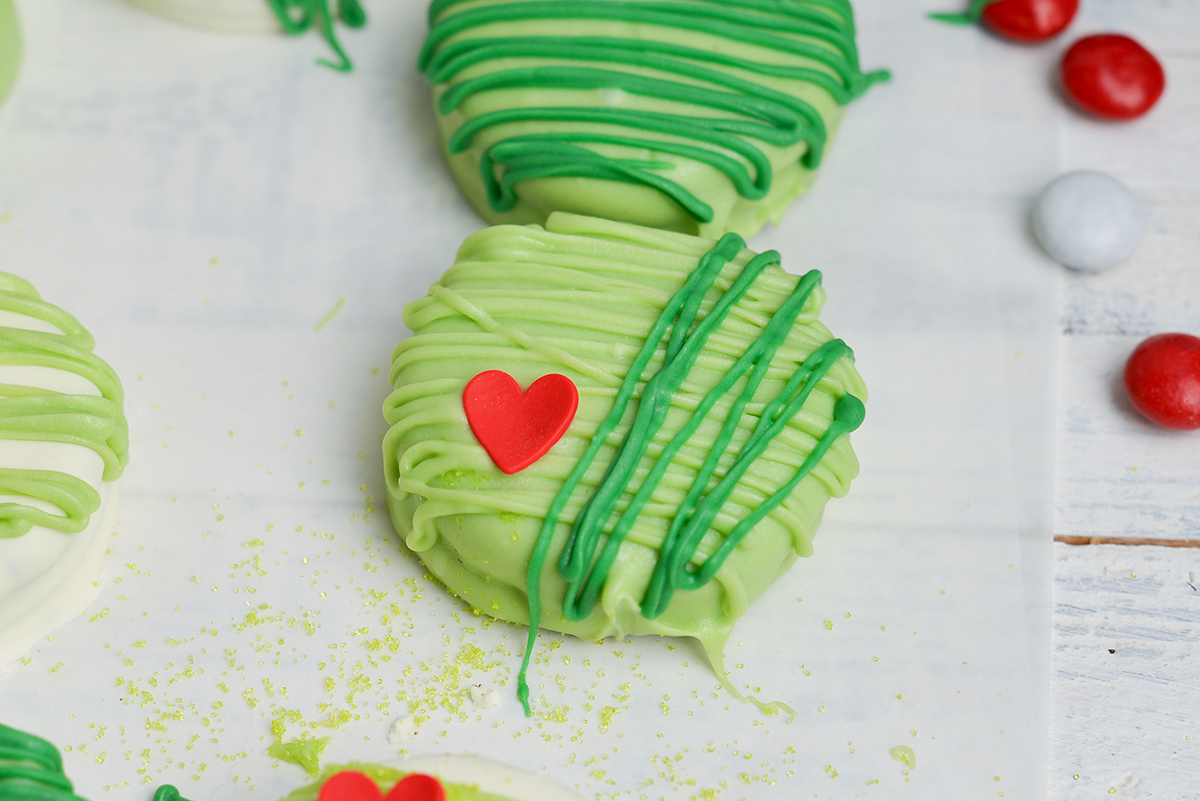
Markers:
{"x": 230, "y": 193}
{"x": 1125, "y": 716}
{"x": 1125, "y": 692}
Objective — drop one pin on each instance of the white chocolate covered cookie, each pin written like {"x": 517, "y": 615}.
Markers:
{"x": 64, "y": 442}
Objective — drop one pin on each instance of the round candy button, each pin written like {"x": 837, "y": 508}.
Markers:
{"x": 1029, "y": 20}
{"x": 1089, "y": 221}
{"x": 1162, "y": 379}
{"x": 1112, "y": 76}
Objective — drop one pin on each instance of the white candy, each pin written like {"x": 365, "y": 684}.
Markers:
{"x": 403, "y": 730}
{"x": 484, "y": 697}
{"x": 1089, "y": 221}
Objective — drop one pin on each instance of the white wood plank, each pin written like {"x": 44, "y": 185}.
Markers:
{"x": 1118, "y": 475}
{"x": 1125, "y": 709}
{"x": 1124, "y": 694}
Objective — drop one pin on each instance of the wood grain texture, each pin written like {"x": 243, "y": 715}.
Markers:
{"x": 1119, "y": 475}
{"x": 1127, "y": 541}
{"x": 1125, "y": 700}
{"x": 1125, "y": 708}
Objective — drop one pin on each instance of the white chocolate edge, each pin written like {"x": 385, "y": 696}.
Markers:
{"x": 64, "y": 591}
{"x": 62, "y": 572}
{"x": 232, "y": 16}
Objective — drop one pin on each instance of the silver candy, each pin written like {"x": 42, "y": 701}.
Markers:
{"x": 1089, "y": 221}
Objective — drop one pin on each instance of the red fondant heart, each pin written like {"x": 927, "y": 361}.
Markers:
{"x": 418, "y": 787}
{"x": 354, "y": 786}
{"x": 518, "y": 429}
{"x": 349, "y": 786}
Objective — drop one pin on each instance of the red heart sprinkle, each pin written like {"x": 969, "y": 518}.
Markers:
{"x": 518, "y": 429}
{"x": 355, "y": 786}
{"x": 349, "y": 786}
{"x": 418, "y": 787}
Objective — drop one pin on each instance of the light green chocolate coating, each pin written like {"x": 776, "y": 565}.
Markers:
{"x": 10, "y": 46}
{"x": 34, "y": 414}
{"x": 688, "y": 115}
{"x": 581, "y": 298}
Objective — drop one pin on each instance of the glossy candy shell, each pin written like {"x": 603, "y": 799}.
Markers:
{"x": 1162, "y": 379}
{"x": 1112, "y": 77}
{"x": 1089, "y": 221}
{"x": 1030, "y": 20}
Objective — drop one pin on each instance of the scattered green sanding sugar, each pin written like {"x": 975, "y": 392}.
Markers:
{"x": 305, "y": 753}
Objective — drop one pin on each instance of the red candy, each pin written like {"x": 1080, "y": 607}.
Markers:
{"x": 354, "y": 786}
{"x": 518, "y": 429}
{"x": 1112, "y": 76}
{"x": 1029, "y": 20}
{"x": 1162, "y": 379}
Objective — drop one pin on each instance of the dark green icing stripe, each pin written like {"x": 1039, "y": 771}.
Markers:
{"x": 31, "y": 769}
{"x": 298, "y": 16}
{"x": 35, "y": 414}
{"x": 581, "y": 567}
{"x": 821, "y": 32}
{"x": 970, "y": 17}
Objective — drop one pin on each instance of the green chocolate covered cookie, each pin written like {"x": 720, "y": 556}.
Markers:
{"x": 712, "y": 409}
{"x": 690, "y": 115}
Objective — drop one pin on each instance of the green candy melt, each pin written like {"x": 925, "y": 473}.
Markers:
{"x": 688, "y": 115}
{"x": 31, "y": 413}
{"x": 713, "y": 409}
{"x": 31, "y": 769}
